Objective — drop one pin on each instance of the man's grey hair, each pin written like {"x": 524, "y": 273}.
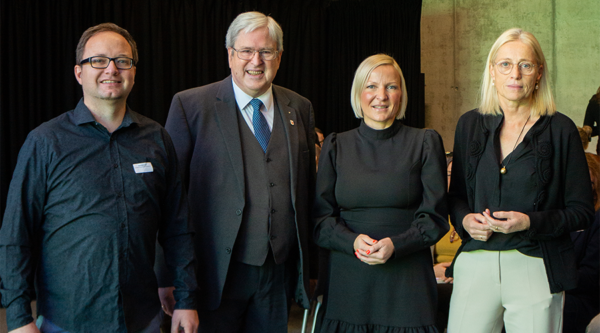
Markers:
{"x": 251, "y": 21}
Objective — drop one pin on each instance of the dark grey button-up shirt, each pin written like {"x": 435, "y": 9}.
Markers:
{"x": 83, "y": 213}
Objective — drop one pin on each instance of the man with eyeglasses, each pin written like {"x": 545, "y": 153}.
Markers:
{"x": 91, "y": 191}
{"x": 246, "y": 149}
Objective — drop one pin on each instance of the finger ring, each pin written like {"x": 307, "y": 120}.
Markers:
{"x": 496, "y": 228}
{"x": 481, "y": 237}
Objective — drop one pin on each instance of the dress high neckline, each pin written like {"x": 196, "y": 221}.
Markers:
{"x": 383, "y": 134}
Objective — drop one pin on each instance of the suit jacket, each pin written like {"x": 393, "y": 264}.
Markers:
{"x": 204, "y": 126}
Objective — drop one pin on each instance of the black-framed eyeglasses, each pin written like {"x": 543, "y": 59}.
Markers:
{"x": 103, "y": 62}
{"x": 248, "y": 54}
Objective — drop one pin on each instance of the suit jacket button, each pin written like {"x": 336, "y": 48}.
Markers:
{"x": 228, "y": 250}
{"x": 238, "y": 212}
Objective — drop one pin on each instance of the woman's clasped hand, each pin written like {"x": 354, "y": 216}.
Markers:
{"x": 482, "y": 226}
{"x": 371, "y": 251}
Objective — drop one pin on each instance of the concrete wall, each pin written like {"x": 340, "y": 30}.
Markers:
{"x": 456, "y": 36}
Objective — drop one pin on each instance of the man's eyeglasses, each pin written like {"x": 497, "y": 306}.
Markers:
{"x": 248, "y": 54}
{"x": 103, "y": 62}
{"x": 506, "y": 67}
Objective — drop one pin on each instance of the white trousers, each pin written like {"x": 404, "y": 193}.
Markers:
{"x": 493, "y": 289}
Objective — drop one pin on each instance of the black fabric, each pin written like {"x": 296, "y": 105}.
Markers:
{"x": 582, "y": 303}
{"x": 255, "y": 299}
{"x": 84, "y": 222}
{"x": 563, "y": 203}
{"x": 443, "y": 309}
{"x": 182, "y": 45}
{"x": 386, "y": 183}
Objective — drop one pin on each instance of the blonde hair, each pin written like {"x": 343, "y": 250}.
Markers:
{"x": 542, "y": 102}
{"x": 363, "y": 72}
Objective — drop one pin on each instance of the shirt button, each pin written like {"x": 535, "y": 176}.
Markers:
{"x": 238, "y": 212}
{"x": 118, "y": 194}
{"x": 268, "y": 160}
{"x": 122, "y": 225}
{"x": 115, "y": 166}
{"x": 273, "y": 210}
{"x": 273, "y": 237}
{"x": 228, "y": 250}
{"x": 272, "y": 184}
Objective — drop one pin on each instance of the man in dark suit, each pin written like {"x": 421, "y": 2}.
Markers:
{"x": 246, "y": 148}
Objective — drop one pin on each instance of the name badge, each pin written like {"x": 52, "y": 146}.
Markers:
{"x": 143, "y": 167}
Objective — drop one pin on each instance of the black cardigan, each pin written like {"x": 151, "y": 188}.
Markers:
{"x": 564, "y": 197}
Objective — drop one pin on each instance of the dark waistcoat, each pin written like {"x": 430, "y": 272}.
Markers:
{"x": 268, "y": 220}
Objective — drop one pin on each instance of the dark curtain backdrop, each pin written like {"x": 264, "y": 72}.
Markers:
{"x": 182, "y": 45}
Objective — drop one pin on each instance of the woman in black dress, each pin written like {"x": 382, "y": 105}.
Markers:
{"x": 516, "y": 194}
{"x": 380, "y": 204}
{"x": 592, "y": 117}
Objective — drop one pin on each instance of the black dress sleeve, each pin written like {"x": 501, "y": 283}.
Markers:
{"x": 431, "y": 218}
{"x": 331, "y": 232}
{"x": 458, "y": 197}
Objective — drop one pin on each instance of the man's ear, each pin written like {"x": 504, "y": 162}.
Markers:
{"x": 230, "y": 55}
{"x": 77, "y": 70}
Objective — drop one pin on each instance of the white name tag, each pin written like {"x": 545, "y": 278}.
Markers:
{"x": 143, "y": 167}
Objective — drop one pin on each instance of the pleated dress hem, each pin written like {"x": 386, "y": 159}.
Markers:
{"x": 345, "y": 327}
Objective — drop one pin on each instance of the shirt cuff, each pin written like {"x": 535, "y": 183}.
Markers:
{"x": 18, "y": 314}
{"x": 185, "y": 300}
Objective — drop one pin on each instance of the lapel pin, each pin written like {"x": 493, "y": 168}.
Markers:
{"x": 292, "y": 122}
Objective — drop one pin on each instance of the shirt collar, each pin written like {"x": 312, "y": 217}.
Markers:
{"x": 243, "y": 99}
{"x": 83, "y": 115}
{"x": 493, "y": 123}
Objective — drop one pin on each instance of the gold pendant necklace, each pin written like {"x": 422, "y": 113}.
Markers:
{"x": 503, "y": 170}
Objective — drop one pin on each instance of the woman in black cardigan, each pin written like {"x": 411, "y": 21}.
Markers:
{"x": 515, "y": 196}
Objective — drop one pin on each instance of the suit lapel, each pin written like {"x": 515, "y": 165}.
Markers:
{"x": 226, "y": 110}
{"x": 290, "y": 126}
